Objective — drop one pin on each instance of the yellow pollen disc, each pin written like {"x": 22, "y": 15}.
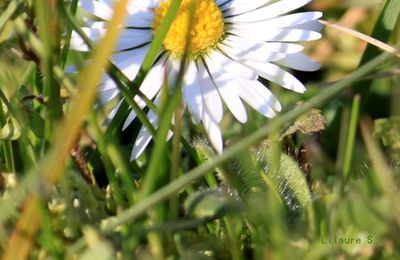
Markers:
{"x": 206, "y": 30}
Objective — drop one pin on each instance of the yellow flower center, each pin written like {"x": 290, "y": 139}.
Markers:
{"x": 204, "y": 20}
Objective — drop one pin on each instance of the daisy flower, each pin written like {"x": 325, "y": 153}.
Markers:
{"x": 232, "y": 44}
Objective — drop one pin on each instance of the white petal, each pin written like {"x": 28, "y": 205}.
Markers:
{"x": 154, "y": 79}
{"x": 150, "y": 87}
{"x": 213, "y": 132}
{"x": 241, "y": 6}
{"x": 107, "y": 83}
{"x": 259, "y": 97}
{"x": 192, "y": 92}
{"x": 231, "y": 66}
{"x": 110, "y": 3}
{"x": 291, "y": 20}
{"x": 139, "y": 17}
{"x": 107, "y": 90}
{"x": 129, "y": 38}
{"x": 131, "y": 116}
{"x": 283, "y": 47}
{"x": 132, "y": 38}
{"x": 257, "y": 52}
{"x": 221, "y": 2}
{"x": 275, "y": 74}
{"x": 97, "y": 8}
{"x": 113, "y": 112}
{"x": 144, "y": 137}
{"x": 173, "y": 66}
{"x": 315, "y": 26}
{"x": 299, "y": 61}
{"x": 78, "y": 44}
{"x": 283, "y": 35}
{"x": 269, "y": 11}
{"x": 210, "y": 94}
{"x": 227, "y": 87}
{"x": 129, "y": 62}
{"x": 294, "y": 20}
{"x": 145, "y": 3}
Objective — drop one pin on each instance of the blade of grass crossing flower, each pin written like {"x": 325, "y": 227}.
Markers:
{"x": 160, "y": 35}
{"x": 172, "y": 188}
{"x": 169, "y": 104}
{"x": 149, "y": 59}
{"x": 51, "y": 168}
{"x": 176, "y": 159}
{"x": 157, "y": 170}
